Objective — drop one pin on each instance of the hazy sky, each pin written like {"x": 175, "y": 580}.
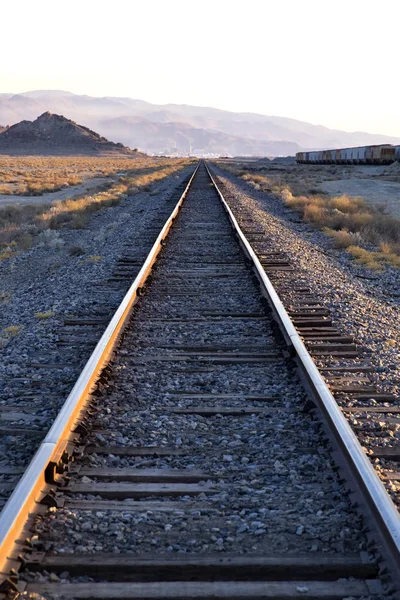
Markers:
{"x": 331, "y": 63}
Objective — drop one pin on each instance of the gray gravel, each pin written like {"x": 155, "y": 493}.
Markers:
{"x": 49, "y": 278}
{"x": 363, "y": 304}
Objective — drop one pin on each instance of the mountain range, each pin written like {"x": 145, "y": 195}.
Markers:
{"x": 180, "y": 128}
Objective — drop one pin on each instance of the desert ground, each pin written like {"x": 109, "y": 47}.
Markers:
{"x": 379, "y": 186}
{"x": 357, "y": 206}
{"x": 34, "y": 176}
{"x": 88, "y": 185}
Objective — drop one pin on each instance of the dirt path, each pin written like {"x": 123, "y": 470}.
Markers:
{"x": 69, "y": 192}
{"x": 378, "y": 193}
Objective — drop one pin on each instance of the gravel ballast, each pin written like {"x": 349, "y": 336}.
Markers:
{"x": 42, "y": 287}
{"x": 363, "y": 304}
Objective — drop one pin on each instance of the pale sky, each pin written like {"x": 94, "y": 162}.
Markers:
{"x": 330, "y": 63}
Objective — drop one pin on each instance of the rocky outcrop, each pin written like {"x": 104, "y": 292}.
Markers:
{"x": 54, "y": 134}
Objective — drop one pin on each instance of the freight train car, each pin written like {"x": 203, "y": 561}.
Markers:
{"x": 383, "y": 154}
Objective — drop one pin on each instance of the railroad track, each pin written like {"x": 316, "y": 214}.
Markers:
{"x": 186, "y": 462}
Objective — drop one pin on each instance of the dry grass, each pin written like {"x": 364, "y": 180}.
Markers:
{"x": 349, "y": 221}
{"x": 8, "y": 252}
{"x": 346, "y": 204}
{"x": 352, "y": 216}
{"x": 259, "y": 181}
{"x": 275, "y": 176}
{"x": 33, "y": 176}
{"x": 374, "y": 260}
{"x": 8, "y": 333}
{"x": 21, "y": 226}
{"x": 94, "y": 258}
{"x": 11, "y": 331}
{"x": 342, "y": 238}
{"x": 43, "y": 316}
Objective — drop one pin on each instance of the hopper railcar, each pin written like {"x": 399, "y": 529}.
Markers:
{"x": 380, "y": 154}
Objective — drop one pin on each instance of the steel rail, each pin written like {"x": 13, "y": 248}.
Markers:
{"x": 35, "y": 481}
{"x": 382, "y": 512}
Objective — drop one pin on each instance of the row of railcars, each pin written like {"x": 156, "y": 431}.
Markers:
{"x": 383, "y": 154}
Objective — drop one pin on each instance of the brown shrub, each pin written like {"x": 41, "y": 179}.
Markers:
{"x": 342, "y": 238}
{"x": 347, "y": 204}
{"x": 348, "y": 220}
{"x": 24, "y": 241}
{"x": 314, "y": 214}
{"x": 374, "y": 260}
{"x": 383, "y": 229}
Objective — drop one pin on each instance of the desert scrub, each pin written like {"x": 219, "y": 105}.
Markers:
{"x": 374, "y": 260}
{"x": 94, "y": 258}
{"x": 105, "y": 232}
{"x": 348, "y": 220}
{"x": 348, "y": 214}
{"x": 11, "y": 331}
{"x": 342, "y": 238}
{"x": 33, "y": 176}
{"x": 8, "y": 251}
{"x": 43, "y": 316}
{"x": 50, "y": 239}
{"x": 22, "y": 226}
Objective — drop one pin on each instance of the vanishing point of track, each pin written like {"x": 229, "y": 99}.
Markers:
{"x": 186, "y": 462}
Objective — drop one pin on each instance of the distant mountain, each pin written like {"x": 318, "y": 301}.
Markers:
{"x": 182, "y": 137}
{"x": 182, "y": 128}
{"x": 54, "y": 134}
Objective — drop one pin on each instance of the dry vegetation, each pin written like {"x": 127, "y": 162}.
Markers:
{"x": 369, "y": 235}
{"x": 21, "y": 226}
{"x": 8, "y": 333}
{"x": 43, "y": 316}
{"x": 33, "y": 176}
{"x": 11, "y": 331}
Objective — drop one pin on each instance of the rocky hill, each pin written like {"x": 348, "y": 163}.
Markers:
{"x": 54, "y": 134}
